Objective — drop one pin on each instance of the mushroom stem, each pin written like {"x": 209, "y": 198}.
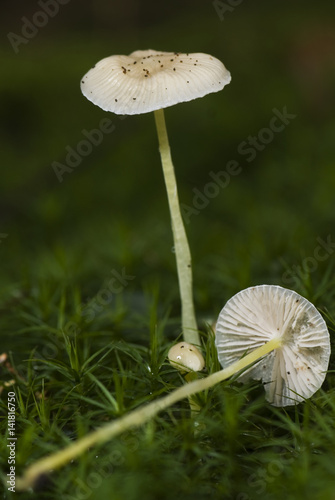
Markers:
{"x": 138, "y": 417}
{"x": 181, "y": 246}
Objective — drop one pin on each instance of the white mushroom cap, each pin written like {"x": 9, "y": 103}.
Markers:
{"x": 186, "y": 357}
{"x": 294, "y": 371}
{"x": 147, "y": 80}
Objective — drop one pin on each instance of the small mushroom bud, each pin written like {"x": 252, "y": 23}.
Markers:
{"x": 186, "y": 357}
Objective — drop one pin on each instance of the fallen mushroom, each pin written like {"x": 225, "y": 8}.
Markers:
{"x": 148, "y": 80}
{"x": 294, "y": 371}
{"x": 279, "y": 328}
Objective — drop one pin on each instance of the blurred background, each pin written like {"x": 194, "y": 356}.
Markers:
{"x": 110, "y": 212}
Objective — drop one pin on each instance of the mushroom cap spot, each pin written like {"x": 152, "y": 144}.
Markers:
{"x": 252, "y": 317}
{"x": 186, "y": 357}
{"x": 154, "y": 78}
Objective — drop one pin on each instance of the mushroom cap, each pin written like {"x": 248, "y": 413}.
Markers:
{"x": 186, "y": 357}
{"x": 147, "y": 80}
{"x": 294, "y": 371}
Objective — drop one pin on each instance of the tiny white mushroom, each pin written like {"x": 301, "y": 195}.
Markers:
{"x": 186, "y": 357}
{"x": 296, "y": 369}
{"x": 150, "y": 80}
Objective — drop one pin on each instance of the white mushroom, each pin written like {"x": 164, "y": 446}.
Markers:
{"x": 149, "y": 80}
{"x": 186, "y": 357}
{"x": 295, "y": 370}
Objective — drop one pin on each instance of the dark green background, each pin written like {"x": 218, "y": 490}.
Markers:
{"x": 111, "y": 211}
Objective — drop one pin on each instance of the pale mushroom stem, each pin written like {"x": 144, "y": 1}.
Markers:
{"x": 138, "y": 417}
{"x": 181, "y": 246}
